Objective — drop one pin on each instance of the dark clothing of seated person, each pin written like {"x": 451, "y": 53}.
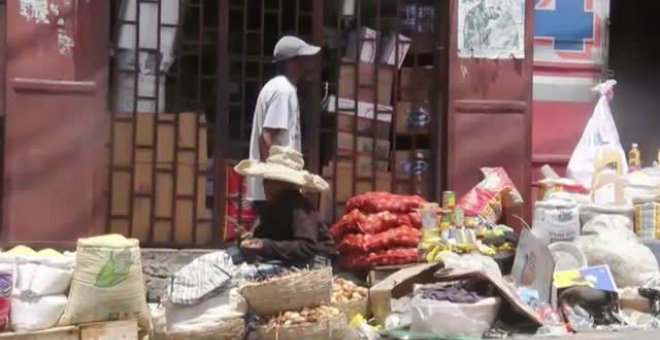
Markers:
{"x": 290, "y": 232}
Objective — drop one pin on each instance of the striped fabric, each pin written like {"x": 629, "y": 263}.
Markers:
{"x": 211, "y": 273}
{"x": 201, "y": 278}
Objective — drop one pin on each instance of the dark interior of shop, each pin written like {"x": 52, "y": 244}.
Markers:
{"x": 633, "y": 61}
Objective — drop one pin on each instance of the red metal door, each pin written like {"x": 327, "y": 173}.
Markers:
{"x": 56, "y": 126}
{"x": 489, "y": 121}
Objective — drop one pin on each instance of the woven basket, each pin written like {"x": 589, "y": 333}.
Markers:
{"x": 229, "y": 330}
{"x": 353, "y": 308}
{"x": 291, "y": 292}
{"x": 330, "y": 329}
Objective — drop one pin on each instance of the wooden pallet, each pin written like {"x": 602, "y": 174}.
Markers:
{"x": 115, "y": 330}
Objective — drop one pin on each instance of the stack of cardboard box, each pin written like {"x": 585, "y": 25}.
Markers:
{"x": 363, "y": 110}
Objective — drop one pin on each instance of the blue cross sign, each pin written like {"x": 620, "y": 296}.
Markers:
{"x": 568, "y": 23}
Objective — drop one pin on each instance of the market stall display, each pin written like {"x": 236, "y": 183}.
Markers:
{"x": 380, "y": 229}
{"x": 288, "y": 292}
{"x": 321, "y": 323}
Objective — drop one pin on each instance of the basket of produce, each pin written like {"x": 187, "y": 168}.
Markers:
{"x": 321, "y": 323}
{"x": 230, "y": 329}
{"x": 350, "y": 298}
{"x": 292, "y": 291}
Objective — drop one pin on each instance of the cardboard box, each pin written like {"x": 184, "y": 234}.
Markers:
{"x": 367, "y": 110}
{"x": 368, "y": 49}
{"x": 366, "y": 82}
{"x": 417, "y": 84}
{"x": 346, "y": 121}
{"x": 345, "y": 179}
{"x": 411, "y": 118}
{"x": 363, "y": 146}
{"x": 398, "y": 285}
{"x": 389, "y": 53}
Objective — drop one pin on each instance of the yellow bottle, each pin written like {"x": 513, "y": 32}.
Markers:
{"x": 634, "y": 159}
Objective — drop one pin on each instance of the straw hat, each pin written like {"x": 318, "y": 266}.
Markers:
{"x": 283, "y": 164}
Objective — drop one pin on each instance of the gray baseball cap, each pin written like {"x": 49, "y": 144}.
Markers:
{"x": 290, "y": 47}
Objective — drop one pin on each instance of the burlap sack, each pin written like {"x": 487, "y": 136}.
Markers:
{"x": 107, "y": 282}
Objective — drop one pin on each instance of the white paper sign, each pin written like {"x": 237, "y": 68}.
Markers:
{"x": 492, "y": 29}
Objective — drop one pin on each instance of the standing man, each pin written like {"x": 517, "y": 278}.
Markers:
{"x": 277, "y": 112}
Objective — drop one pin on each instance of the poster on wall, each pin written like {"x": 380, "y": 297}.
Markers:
{"x": 491, "y": 29}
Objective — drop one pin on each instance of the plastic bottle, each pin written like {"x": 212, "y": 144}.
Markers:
{"x": 634, "y": 158}
{"x": 430, "y": 230}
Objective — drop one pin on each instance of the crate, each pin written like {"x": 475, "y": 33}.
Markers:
{"x": 113, "y": 330}
{"x": 169, "y": 175}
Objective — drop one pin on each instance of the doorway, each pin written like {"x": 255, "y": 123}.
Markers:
{"x": 634, "y": 52}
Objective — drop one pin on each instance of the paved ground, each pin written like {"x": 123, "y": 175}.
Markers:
{"x": 654, "y": 335}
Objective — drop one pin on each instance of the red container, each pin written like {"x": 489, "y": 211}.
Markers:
{"x": 6, "y": 285}
{"x": 236, "y": 212}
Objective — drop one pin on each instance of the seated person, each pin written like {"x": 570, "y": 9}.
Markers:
{"x": 290, "y": 232}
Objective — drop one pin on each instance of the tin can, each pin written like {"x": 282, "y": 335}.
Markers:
{"x": 448, "y": 200}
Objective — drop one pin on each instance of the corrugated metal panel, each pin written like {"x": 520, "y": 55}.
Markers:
{"x": 56, "y": 121}
{"x": 489, "y": 120}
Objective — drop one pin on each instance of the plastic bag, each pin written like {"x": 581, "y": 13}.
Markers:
{"x": 473, "y": 262}
{"x": 490, "y": 195}
{"x": 473, "y": 319}
{"x": 402, "y": 236}
{"x": 358, "y": 222}
{"x": 609, "y": 239}
{"x": 381, "y": 258}
{"x": 33, "y": 314}
{"x": 600, "y": 132}
{"x": 384, "y": 201}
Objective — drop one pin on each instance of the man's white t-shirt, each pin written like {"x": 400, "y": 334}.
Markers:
{"x": 277, "y": 108}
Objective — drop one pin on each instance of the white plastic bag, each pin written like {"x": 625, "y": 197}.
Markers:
{"x": 44, "y": 276}
{"x": 600, "y": 132}
{"x": 33, "y": 314}
{"x": 444, "y": 317}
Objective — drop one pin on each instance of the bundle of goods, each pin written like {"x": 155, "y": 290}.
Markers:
{"x": 374, "y": 202}
{"x": 350, "y": 298}
{"x": 471, "y": 313}
{"x": 38, "y": 283}
{"x": 218, "y": 317}
{"x": 291, "y": 291}
{"x": 107, "y": 282}
{"x": 609, "y": 239}
{"x": 490, "y": 196}
{"x": 380, "y": 229}
{"x": 647, "y": 217}
{"x": 308, "y": 324}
